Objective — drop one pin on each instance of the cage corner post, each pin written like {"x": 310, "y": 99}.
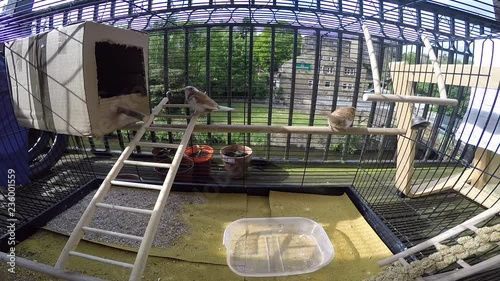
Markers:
{"x": 405, "y": 152}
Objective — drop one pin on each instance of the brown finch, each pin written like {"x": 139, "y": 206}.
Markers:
{"x": 341, "y": 118}
{"x": 201, "y": 103}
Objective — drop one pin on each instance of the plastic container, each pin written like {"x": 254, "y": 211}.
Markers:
{"x": 267, "y": 247}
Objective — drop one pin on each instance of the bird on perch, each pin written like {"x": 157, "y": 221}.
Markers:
{"x": 342, "y": 118}
{"x": 201, "y": 103}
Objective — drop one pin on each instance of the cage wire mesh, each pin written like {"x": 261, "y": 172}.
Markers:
{"x": 291, "y": 62}
{"x": 41, "y": 172}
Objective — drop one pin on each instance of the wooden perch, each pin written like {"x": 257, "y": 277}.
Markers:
{"x": 409, "y": 99}
{"x": 279, "y": 129}
{"x": 132, "y": 113}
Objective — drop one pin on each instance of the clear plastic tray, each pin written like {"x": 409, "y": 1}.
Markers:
{"x": 265, "y": 247}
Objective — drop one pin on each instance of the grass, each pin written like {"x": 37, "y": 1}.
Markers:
{"x": 259, "y": 116}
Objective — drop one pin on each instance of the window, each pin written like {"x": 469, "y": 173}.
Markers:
{"x": 331, "y": 59}
{"x": 310, "y": 83}
{"x": 327, "y": 84}
{"x": 350, "y": 71}
{"x": 346, "y": 48}
{"x": 329, "y": 70}
{"x": 347, "y": 86}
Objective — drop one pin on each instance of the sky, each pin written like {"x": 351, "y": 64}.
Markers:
{"x": 482, "y": 7}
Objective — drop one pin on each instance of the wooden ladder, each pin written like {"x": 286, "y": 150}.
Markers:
{"x": 155, "y": 214}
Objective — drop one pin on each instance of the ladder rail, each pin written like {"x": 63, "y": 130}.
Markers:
{"x": 89, "y": 212}
{"x": 145, "y": 247}
{"x": 49, "y": 270}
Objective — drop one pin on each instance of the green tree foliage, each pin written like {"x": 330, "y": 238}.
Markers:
{"x": 196, "y": 65}
{"x": 283, "y": 50}
{"x": 429, "y": 89}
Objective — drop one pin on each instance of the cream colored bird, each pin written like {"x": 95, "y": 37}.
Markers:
{"x": 341, "y": 118}
{"x": 201, "y": 103}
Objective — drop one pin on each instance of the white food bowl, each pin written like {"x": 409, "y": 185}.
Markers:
{"x": 266, "y": 247}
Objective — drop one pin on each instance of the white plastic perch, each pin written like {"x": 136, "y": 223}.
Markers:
{"x": 435, "y": 65}
{"x": 373, "y": 60}
{"x": 378, "y": 96}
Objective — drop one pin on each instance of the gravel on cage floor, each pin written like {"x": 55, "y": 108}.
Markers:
{"x": 171, "y": 227}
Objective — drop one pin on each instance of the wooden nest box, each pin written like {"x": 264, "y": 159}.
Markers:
{"x": 74, "y": 79}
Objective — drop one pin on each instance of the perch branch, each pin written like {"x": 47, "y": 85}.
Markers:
{"x": 409, "y": 99}
{"x": 132, "y": 113}
{"x": 279, "y": 129}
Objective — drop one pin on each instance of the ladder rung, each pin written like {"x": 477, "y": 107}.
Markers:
{"x": 94, "y": 258}
{"x": 403, "y": 261}
{"x": 123, "y": 208}
{"x": 112, "y": 233}
{"x": 176, "y": 105}
{"x": 136, "y": 184}
{"x": 147, "y": 164}
{"x": 166, "y": 129}
{"x": 463, "y": 264}
{"x": 471, "y": 227}
{"x": 156, "y": 144}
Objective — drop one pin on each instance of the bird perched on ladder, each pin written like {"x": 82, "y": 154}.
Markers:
{"x": 342, "y": 118}
{"x": 201, "y": 103}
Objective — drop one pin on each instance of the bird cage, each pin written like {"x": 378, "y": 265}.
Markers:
{"x": 286, "y": 65}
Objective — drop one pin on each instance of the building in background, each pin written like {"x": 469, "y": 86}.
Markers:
{"x": 328, "y": 61}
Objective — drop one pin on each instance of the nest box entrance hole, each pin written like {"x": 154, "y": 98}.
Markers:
{"x": 120, "y": 70}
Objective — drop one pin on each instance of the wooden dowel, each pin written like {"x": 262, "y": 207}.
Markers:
{"x": 124, "y": 208}
{"x": 409, "y": 99}
{"x": 437, "y": 68}
{"x": 103, "y": 260}
{"x": 132, "y": 113}
{"x": 373, "y": 60}
{"x": 284, "y": 129}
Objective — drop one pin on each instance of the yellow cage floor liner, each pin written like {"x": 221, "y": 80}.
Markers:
{"x": 200, "y": 255}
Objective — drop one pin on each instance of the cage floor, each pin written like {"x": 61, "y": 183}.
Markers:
{"x": 414, "y": 220}
{"x": 42, "y": 197}
{"x": 199, "y": 253}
